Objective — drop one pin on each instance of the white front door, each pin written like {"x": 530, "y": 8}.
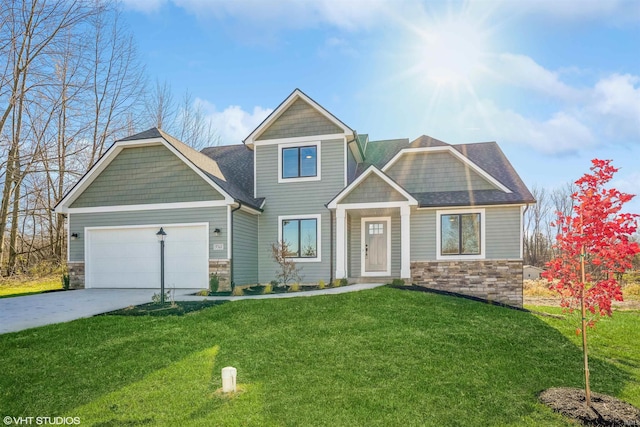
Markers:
{"x": 376, "y": 246}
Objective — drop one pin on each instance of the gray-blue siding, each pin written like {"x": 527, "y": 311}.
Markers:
{"x": 297, "y": 198}
{"x": 245, "y": 248}
{"x": 215, "y": 216}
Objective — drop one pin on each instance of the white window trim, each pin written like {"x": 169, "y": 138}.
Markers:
{"x": 387, "y": 272}
{"x": 318, "y": 218}
{"x": 483, "y": 235}
{"x": 308, "y": 143}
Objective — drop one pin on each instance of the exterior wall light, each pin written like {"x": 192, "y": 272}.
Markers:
{"x": 216, "y": 232}
{"x": 74, "y": 236}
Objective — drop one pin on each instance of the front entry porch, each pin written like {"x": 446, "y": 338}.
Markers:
{"x": 372, "y": 241}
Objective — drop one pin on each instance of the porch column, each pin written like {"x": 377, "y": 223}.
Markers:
{"x": 405, "y": 242}
{"x": 341, "y": 243}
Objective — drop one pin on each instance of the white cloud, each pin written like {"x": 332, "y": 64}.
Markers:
{"x": 523, "y": 71}
{"x": 561, "y": 133}
{"x": 581, "y": 10}
{"x": 346, "y": 15}
{"x": 233, "y": 124}
{"x": 144, "y": 6}
{"x": 616, "y": 102}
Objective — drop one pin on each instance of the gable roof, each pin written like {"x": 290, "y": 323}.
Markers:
{"x": 371, "y": 170}
{"x": 486, "y": 156}
{"x": 205, "y": 166}
{"x": 275, "y": 114}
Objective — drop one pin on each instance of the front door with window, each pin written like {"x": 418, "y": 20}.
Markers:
{"x": 376, "y": 247}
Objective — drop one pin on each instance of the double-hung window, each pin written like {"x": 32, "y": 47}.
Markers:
{"x": 300, "y": 162}
{"x": 301, "y": 236}
{"x": 460, "y": 234}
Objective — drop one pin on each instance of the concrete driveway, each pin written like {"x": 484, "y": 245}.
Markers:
{"x": 29, "y": 311}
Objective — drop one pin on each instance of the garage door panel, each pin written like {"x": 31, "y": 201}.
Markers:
{"x": 130, "y": 257}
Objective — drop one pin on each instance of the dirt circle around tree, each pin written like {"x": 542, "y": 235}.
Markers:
{"x": 607, "y": 410}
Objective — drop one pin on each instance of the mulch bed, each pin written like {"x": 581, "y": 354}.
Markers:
{"x": 607, "y": 410}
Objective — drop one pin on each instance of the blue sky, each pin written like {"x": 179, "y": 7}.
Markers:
{"x": 554, "y": 82}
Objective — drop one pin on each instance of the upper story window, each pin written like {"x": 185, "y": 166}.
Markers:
{"x": 460, "y": 234}
{"x": 299, "y": 162}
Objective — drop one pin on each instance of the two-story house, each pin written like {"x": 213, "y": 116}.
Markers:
{"x": 438, "y": 215}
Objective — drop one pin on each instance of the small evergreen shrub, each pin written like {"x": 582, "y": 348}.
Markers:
{"x": 344, "y": 281}
{"x": 268, "y": 289}
{"x": 65, "y": 282}
{"x": 397, "y": 282}
{"x": 295, "y": 287}
{"x": 202, "y": 293}
{"x": 321, "y": 284}
{"x": 214, "y": 283}
{"x": 237, "y": 292}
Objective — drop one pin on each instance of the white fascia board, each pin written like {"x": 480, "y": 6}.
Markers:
{"x": 371, "y": 169}
{"x": 300, "y": 139}
{"x": 148, "y": 207}
{"x": 372, "y": 205}
{"x": 503, "y": 205}
{"x": 457, "y": 154}
{"x": 250, "y": 210}
{"x": 296, "y": 94}
{"x": 112, "y": 152}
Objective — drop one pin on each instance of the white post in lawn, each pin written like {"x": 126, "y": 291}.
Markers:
{"x": 229, "y": 379}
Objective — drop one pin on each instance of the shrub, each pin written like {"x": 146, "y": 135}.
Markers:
{"x": 65, "y": 282}
{"x": 397, "y": 282}
{"x": 237, "y": 292}
{"x": 214, "y": 283}
{"x": 321, "y": 284}
{"x": 295, "y": 287}
{"x": 336, "y": 283}
{"x": 202, "y": 293}
{"x": 268, "y": 289}
{"x": 288, "y": 271}
{"x": 156, "y": 298}
{"x": 344, "y": 281}
{"x": 631, "y": 291}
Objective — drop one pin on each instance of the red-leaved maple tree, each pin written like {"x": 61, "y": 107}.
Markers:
{"x": 592, "y": 246}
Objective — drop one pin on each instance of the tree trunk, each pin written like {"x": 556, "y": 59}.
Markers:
{"x": 585, "y": 352}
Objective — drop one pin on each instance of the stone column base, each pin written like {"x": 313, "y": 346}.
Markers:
{"x": 76, "y": 275}
{"x": 493, "y": 280}
{"x": 221, "y": 268}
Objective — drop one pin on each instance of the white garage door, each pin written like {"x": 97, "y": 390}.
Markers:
{"x": 130, "y": 257}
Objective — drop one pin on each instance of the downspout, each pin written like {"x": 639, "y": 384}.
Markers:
{"x": 526, "y": 208}
{"x": 232, "y": 245}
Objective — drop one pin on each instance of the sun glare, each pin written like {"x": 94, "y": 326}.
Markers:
{"x": 451, "y": 53}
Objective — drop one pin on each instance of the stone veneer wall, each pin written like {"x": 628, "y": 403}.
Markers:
{"x": 494, "y": 280}
{"x": 216, "y": 266}
{"x": 76, "y": 275}
{"x": 221, "y": 268}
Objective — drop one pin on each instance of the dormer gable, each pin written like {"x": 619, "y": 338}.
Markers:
{"x": 298, "y": 116}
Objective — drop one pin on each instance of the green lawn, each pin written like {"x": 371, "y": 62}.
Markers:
{"x": 379, "y": 357}
{"x": 19, "y": 287}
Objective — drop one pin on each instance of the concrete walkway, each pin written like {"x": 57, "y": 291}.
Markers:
{"x": 31, "y": 311}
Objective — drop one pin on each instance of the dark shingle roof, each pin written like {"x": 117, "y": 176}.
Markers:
{"x": 378, "y": 153}
{"x": 490, "y": 157}
{"x": 467, "y": 198}
{"x": 236, "y": 164}
{"x": 487, "y": 155}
